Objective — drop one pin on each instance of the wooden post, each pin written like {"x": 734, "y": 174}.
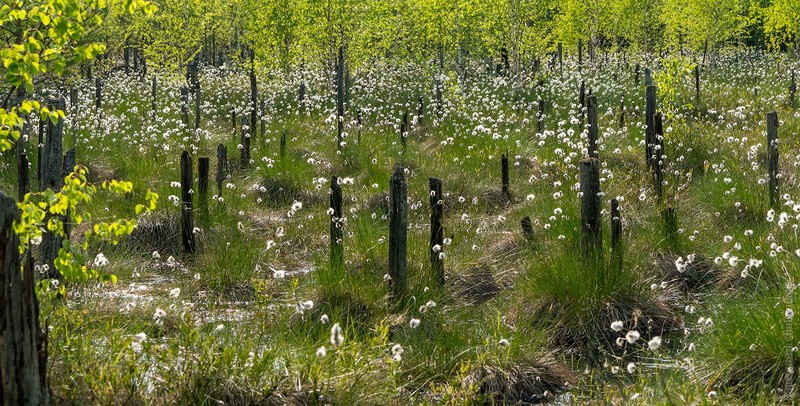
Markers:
{"x": 202, "y": 186}
{"x": 404, "y": 132}
{"x": 262, "y": 124}
{"x": 420, "y": 112}
{"x": 185, "y": 105}
{"x": 337, "y": 234}
{"x": 98, "y": 93}
{"x": 154, "y": 96}
{"x": 591, "y": 226}
{"x": 670, "y": 225}
{"x": 187, "y": 204}
{"x": 398, "y": 231}
{"x": 561, "y": 59}
{"x": 505, "y": 189}
{"x": 580, "y": 54}
{"x": 301, "y": 96}
{"x": 527, "y": 229}
{"x": 772, "y": 159}
{"x": 253, "y": 95}
{"x": 622, "y": 111}
{"x": 23, "y": 344}
{"x": 52, "y": 166}
{"x": 616, "y": 235}
{"x": 649, "y": 121}
{"x": 636, "y": 74}
{"x": 360, "y": 122}
{"x": 582, "y": 102}
{"x": 23, "y": 176}
{"x": 339, "y": 97}
{"x": 197, "y": 108}
{"x": 282, "y": 150}
{"x": 697, "y": 83}
{"x": 244, "y": 160}
{"x": 437, "y": 229}
{"x": 648, "y": 77}
{"x": 591, "y": 111}
{"x": 540, "y": 116}
{"x": 658, "y": 153}
{"x": 126, "y": 56}
{"x": 222, "y": 166}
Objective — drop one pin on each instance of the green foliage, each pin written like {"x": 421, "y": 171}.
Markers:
{"x": 70, "y": 203}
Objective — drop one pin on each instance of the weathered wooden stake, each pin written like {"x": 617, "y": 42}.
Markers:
{"x": 53, "y": 178}
{"x": 616, "y": 235}
{"x": 301, "y": 96}
{"x": 591, "y": 111}
{"x": 340, "y": 97}
{"x": 185, "y": 105}
{"x": 244, "y": 161}
{"x": 648, "y": 77}
{"x": 658, "y": 156}
{"x": 398, "y": 231}
{"x": 337, "y": 233}
{"x": 505, "y": 189}
{"x": 561, "y": 59}
{"x": 636, "y": 70}
{"x": 649, "y": 121}
{"x": 697, "y": 83}
{"x": 222, "y": 167}
{"x": 437, "y": 229}
{"x": 591, "y": 226}
{"x": 360, "y": 122}
{"x": 580, "y": 54}
{"x": 582, "y": 102}
{"x": 282, "y": 150}
{"x": 154, "y": 96}
{"x": 187, "y": 204}
{"x": 197, "y": 108}
{"x": 670, "y": 217}
{"x": 202, "y": 186}
{"x": 540, "y": 116}
{"x": 404, "y": 132}
{"x": 772, "y": 159}
{"x": 23, "y": 347}
{"x": 527, "y": 228}
{"x": 98, "y": 93}
{"x": 23, "y": 176}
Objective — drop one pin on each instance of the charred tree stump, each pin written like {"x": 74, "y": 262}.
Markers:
{"x": 23, "y": 344}
{"x": 591, "y": 113}
{"x": 244, "y": 161}
{"x": 52, "y": 165}
{"x": 437, "y": 229}
{"x": 98, "y": 93}
{"x": 187, "y": 204}
{"x": 650, "y": 128}
{"x": 203, "y": 164}
{"x": 222, "y": 167}
{"x": 398, "y": 232}
{"x": 591, "y": 226}
{"x": 658, "y": 157}
{"x": 340, "y": 98}
{"x": 772, "y": 159}
{"x": 23, "y": 176}
{"x": 505, "y": 188}
{"x": 527, "y": 229}
{"x": 540, "y": 116}
{"x": 616, "y": 236}
{"x": 337, "y": 233}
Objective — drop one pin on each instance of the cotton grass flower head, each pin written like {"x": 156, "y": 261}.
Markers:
{"x": 414, "y": 323}
{"x": 617, "y": 326}
{"x": 337, "y": 339}
{"x": 654, "y": 343}
{"x": 321, "y": 352}
{"x": 632, "y": 336}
